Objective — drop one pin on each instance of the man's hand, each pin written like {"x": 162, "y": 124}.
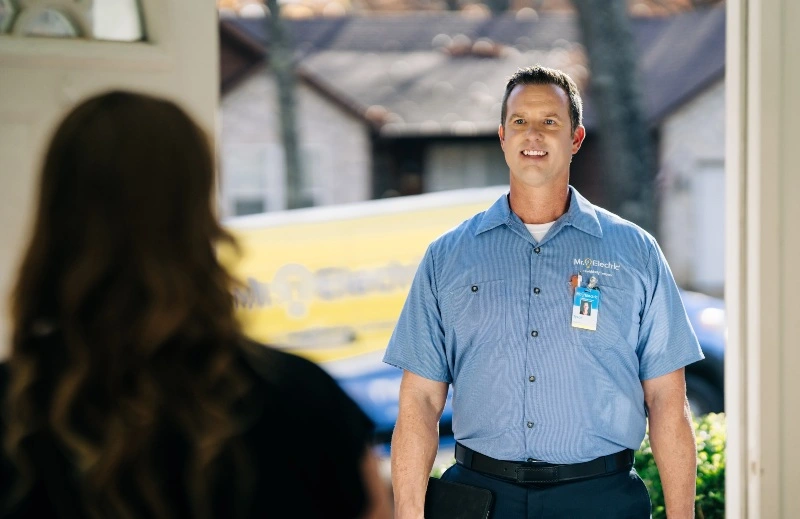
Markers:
{"x": 672, "y": 441}
{"x": 415, "y": 442}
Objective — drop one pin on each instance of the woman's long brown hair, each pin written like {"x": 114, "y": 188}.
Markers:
{"x": 123, "y": 323}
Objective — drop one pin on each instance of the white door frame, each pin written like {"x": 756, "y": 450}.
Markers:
{"x": 763, "y": 240}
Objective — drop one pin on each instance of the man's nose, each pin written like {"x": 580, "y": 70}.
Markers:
{"x": 535, "y": 133}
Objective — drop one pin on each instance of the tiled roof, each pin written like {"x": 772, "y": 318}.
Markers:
{"x": 410, "y": 32}
{"x": 420, "y": 93}
{"x": 444, "y": 73}
{"x": 685, "y": 55}
{"x": 635, "y": 7}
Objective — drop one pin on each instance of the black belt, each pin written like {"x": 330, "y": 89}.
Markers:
{"x": 540, "y": 471}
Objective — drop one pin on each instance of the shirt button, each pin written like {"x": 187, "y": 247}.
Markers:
{"x": 474, "y": 288}
{"x": 534, "y": 333}
{"x": 532, "y": 378}
{"x": 536, "y": 290}
{"x": 537, "y": 250}
{"x": 530, "y": 425}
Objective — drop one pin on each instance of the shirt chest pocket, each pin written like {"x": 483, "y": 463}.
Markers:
{"x": 617, "y": 321}
{"x": 475, "y": 313}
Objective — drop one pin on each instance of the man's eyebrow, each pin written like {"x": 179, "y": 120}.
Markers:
{"x": 552, "y": 115}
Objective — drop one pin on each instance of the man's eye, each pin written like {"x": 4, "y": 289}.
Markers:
{"x": 549, "y": 121}
{"x": 519, "y": 121}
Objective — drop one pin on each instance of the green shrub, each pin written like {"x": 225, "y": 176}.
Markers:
{"x": 710, "y": 500}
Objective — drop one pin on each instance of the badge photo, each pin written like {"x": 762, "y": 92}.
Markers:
{"x": 585, "y": 308}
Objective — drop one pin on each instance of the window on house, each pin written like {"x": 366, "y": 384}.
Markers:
{"x": 312, "y": 189}
{"x": 113, "y": 20}
{"x": 250, "y": 179}
{"x": 253, "y": 179}
{"x": 454, "y": 165}
{"x": 243, "y": 206}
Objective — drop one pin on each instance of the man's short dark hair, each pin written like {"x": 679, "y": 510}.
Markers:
{"x": 538, "y": 75}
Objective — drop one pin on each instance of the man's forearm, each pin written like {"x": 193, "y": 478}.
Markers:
{"x": 673, "y": 443}
{"x": 414, "y": 445}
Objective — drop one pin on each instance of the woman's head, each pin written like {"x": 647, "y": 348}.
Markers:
{"x": 121, "y": 268}
{"x": 125, "y": 198}
{"x": 128, "y": 178}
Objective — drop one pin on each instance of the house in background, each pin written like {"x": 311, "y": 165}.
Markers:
{"x": 401, "y": 104}
{"x": 685, "y": 100}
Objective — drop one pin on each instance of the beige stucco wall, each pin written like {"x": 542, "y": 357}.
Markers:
{"x": 40, "y": 78}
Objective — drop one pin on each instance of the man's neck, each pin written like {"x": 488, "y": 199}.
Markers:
{"x": 539, "y": 205}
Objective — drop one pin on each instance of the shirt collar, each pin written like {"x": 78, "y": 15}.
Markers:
{"x": 581, "y": 215}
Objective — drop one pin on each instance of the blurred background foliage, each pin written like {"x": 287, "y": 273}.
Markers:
{"x": 710, "y": 501}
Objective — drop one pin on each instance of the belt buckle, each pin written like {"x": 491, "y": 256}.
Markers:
{"x": 530, "y": 462}
{"x": 529, "y": 473}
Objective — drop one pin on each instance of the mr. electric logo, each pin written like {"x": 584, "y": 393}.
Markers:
{"x": 588, "y": 263}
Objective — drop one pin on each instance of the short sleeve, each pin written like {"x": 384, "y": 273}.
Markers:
{"x": 417, "y": 343}
{"x": 667, "y": 341}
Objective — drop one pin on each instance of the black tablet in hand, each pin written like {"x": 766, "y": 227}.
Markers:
{"x": 449, "y": 500}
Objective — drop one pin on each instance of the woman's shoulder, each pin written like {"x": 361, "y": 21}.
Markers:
{"x": 303, "y": 385}
{"x": 295, "y": 378}
{"x": 280, "y": 367}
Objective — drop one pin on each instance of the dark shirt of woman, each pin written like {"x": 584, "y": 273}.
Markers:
{"x": 305, "y": 445}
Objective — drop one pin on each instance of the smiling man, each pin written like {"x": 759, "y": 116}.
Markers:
{"x": 549, "y": 402}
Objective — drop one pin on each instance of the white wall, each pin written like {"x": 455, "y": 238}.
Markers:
{"x": 41, "y": 78}
{"x": 692, "y": 191}
{"x": 335, "y": 146}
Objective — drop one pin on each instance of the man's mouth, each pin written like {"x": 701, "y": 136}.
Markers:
{"x": 534, "y": 153}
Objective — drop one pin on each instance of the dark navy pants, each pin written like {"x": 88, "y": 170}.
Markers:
{"x": 621, "y": 495}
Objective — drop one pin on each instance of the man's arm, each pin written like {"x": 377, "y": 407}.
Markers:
{"x": 672, "y": 441}
{"x": 415, "y": 442}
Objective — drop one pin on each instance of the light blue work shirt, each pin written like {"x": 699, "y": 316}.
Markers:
{"x": 490, "y": 312}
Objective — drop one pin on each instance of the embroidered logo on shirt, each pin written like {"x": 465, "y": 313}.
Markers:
{"x": 588, "y": 263}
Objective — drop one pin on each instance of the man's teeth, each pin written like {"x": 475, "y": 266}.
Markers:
{"x": 534, "y": 153}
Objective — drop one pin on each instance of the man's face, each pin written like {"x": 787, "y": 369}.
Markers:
{"x": 537, "y": 138}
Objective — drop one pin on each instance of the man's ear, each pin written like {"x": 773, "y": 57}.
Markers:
{"x": 501, "y": 132}
{"x": 577, "y": 138}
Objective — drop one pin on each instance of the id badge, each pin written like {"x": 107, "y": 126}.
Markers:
{"x": 585, "y": 308}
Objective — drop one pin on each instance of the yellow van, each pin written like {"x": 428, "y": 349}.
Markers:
{"x": 328, "y": 283}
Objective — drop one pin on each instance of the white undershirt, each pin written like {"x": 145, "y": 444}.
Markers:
{"x": 538, "y": 230}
